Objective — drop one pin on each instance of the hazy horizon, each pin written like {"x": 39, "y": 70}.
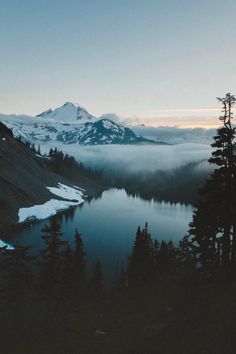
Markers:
{"x": 180, "y": 118}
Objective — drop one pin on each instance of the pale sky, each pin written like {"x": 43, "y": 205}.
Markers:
{"x": 160, "y": 60}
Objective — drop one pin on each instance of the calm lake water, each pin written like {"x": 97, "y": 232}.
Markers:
{"x": 108, "y": 226}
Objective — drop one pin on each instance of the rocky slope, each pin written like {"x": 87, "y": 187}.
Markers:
{"x": 24, "y": 177}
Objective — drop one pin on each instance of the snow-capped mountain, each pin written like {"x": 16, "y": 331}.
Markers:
{"x": 70, "y": 124}
{"x": 69, "y": 112}
{"x": 103, "y": 131}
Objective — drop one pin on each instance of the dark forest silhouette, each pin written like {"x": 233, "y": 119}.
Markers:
{"x": 214, "y": 222}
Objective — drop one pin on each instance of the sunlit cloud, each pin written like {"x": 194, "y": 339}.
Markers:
{"x": 175, "y": 121}
{"x": 206, "y": 117}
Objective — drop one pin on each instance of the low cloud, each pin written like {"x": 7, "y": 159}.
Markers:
{"x": 123, "y": 159}
{"x": 176, "y": 135}
{"x": 112, "y": 116}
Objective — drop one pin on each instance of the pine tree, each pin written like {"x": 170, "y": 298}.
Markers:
{"x": 68, "y": 276}
{"x": 140, "y": 267}
{"x": 52, "y": 258}
{"x": 96, "y": 283}
{"x": 122, "y": 282}
{"x": 166, "y": 257}
{"x": 32, "y": 147}
{"x": 79, "y": 264}
{"x": 186, "y": 253}
{"x": 50, "y": 154}
{"x": 39, "y": 150}
{"x": 213, "y": 228}
{"x": 79, "y": 255}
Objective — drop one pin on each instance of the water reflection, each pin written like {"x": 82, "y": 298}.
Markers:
{"x": 108, "y": 225}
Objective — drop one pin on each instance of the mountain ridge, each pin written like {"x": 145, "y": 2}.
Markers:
{"x": 71, "y": 124}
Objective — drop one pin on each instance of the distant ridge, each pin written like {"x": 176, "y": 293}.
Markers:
{"x": 72, "y": 124}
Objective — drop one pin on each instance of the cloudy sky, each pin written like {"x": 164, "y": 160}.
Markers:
{"x": 163, "y": 61}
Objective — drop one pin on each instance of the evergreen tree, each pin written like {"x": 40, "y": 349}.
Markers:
{"x": 166, "y": 257}
{"x": 68, "y": 276}
{"x": 213, "y": 228}
{"x": 186, "y": 253}
{"x": 122, "y": 283}
{"x": 140, "y": 267}
{"x": 52, "y": 258}
{"x": 50, "y": 154}
{"x": 96, "y": 282}
{"x": 32, "y": 147}
{"x": 79, "y": 261}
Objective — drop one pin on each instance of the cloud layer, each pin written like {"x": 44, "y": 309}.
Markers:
{"x": 137, "y": 159}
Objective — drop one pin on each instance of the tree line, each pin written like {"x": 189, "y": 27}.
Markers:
{"x": 67, "y": 166}
{"x": 178, "y": 185}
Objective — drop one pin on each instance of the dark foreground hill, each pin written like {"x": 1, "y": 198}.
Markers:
{"x": 24, "y": 176}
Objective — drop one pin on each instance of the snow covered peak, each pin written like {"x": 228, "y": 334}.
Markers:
{"x": 71, "y": 104}
{"x": 68, "y": 112}
{"x": 109, "y": 125}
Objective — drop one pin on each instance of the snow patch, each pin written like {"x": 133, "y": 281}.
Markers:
{"x": 4, "y": 244}
{"x": 67, "y": 192}
{"x": 74, "y": 197}
{"x": 44, "y": 211}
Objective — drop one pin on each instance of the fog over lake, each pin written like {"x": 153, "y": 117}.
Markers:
{"x": 135, "y": 158}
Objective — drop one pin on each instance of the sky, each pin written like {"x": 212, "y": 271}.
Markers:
{"x": 154, "y": 61}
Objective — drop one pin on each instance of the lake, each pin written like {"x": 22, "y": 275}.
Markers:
{"x": 108, "y": 226}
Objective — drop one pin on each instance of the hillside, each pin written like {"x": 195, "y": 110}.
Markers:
{"x": 24, "y": 177}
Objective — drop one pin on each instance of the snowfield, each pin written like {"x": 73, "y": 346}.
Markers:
{"x": 74, "y": 197}
{"x": 4, "y": 244}
{"x": 67, "y": 192}
{"x": 44, "y": 211}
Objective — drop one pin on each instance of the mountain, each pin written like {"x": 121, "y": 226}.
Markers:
{"x": 69, "y": 112}
{"x": 101, "y": 132}
{"x": 71, "y": 124}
